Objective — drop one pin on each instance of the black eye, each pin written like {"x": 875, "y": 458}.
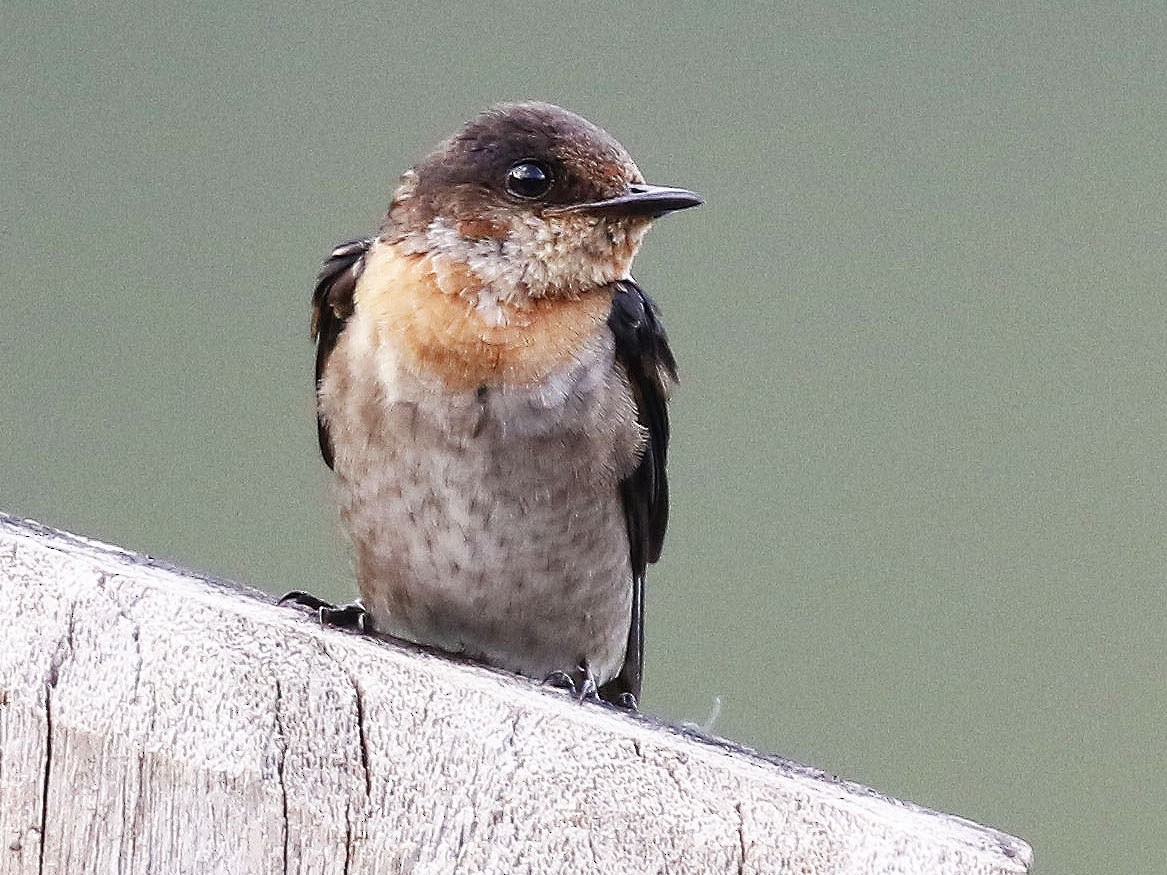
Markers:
{"x": 528, "y": 179}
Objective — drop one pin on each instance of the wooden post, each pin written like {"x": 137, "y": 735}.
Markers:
{"x": 155, "y": 721}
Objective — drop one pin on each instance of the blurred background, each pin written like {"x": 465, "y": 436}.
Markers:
{"x": 918, "y": 536}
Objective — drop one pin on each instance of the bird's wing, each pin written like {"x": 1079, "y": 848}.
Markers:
{"x": 332, "y": 304}
{"x": 642, "y": 350}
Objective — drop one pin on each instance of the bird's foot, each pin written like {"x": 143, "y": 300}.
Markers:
{"x": 627, "y": 701}
{"x": 581, "y": 683}
{"x": 353, "y": 618}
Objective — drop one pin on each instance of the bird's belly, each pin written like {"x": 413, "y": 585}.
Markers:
{"x": 510, "y": 556}
{"x": 491, "y": 524}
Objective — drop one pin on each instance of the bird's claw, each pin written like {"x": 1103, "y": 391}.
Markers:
{"x": 352, "y": 617}
{"x": 561, "y": 680}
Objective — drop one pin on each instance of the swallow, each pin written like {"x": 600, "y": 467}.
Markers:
{"x": 492, "y": 389}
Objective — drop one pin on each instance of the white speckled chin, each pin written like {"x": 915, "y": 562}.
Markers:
{"x": 568, "y": 254}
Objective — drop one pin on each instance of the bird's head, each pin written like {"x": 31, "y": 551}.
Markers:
{"x": 533, "y": 200}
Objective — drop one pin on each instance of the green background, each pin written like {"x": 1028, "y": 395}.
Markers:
{"x": 918, "y": 536}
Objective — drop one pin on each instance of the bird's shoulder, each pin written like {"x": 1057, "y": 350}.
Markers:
{"x": 336, "y": 283}
{"x": 332, "y": 305}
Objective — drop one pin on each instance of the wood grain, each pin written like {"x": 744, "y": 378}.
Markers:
{"x": 153, "y": 721}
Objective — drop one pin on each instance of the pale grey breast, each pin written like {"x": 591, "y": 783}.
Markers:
{"x": 489, "y": 523}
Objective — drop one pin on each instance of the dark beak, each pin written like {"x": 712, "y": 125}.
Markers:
{"x": 640, "y": 200}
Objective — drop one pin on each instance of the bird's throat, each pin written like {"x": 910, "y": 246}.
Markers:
{"x": 445, "y": 323}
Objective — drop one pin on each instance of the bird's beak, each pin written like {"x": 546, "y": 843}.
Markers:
{"x": 640, "y": 200}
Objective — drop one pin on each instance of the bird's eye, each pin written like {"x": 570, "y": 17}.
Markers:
{"x": 528, "y": 179}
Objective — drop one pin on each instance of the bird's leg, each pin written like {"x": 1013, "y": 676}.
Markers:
{"x": 352, "y": 617}
{"x": 589, "y": 690}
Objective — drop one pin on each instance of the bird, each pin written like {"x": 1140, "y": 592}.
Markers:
{"x": 491, "y": 396}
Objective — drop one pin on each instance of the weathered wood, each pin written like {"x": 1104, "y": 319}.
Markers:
{"x": 153, "y": 721}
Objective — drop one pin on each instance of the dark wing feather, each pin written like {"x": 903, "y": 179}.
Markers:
{"x": 642, "y": 350}
{"x": 332, "y": 304}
